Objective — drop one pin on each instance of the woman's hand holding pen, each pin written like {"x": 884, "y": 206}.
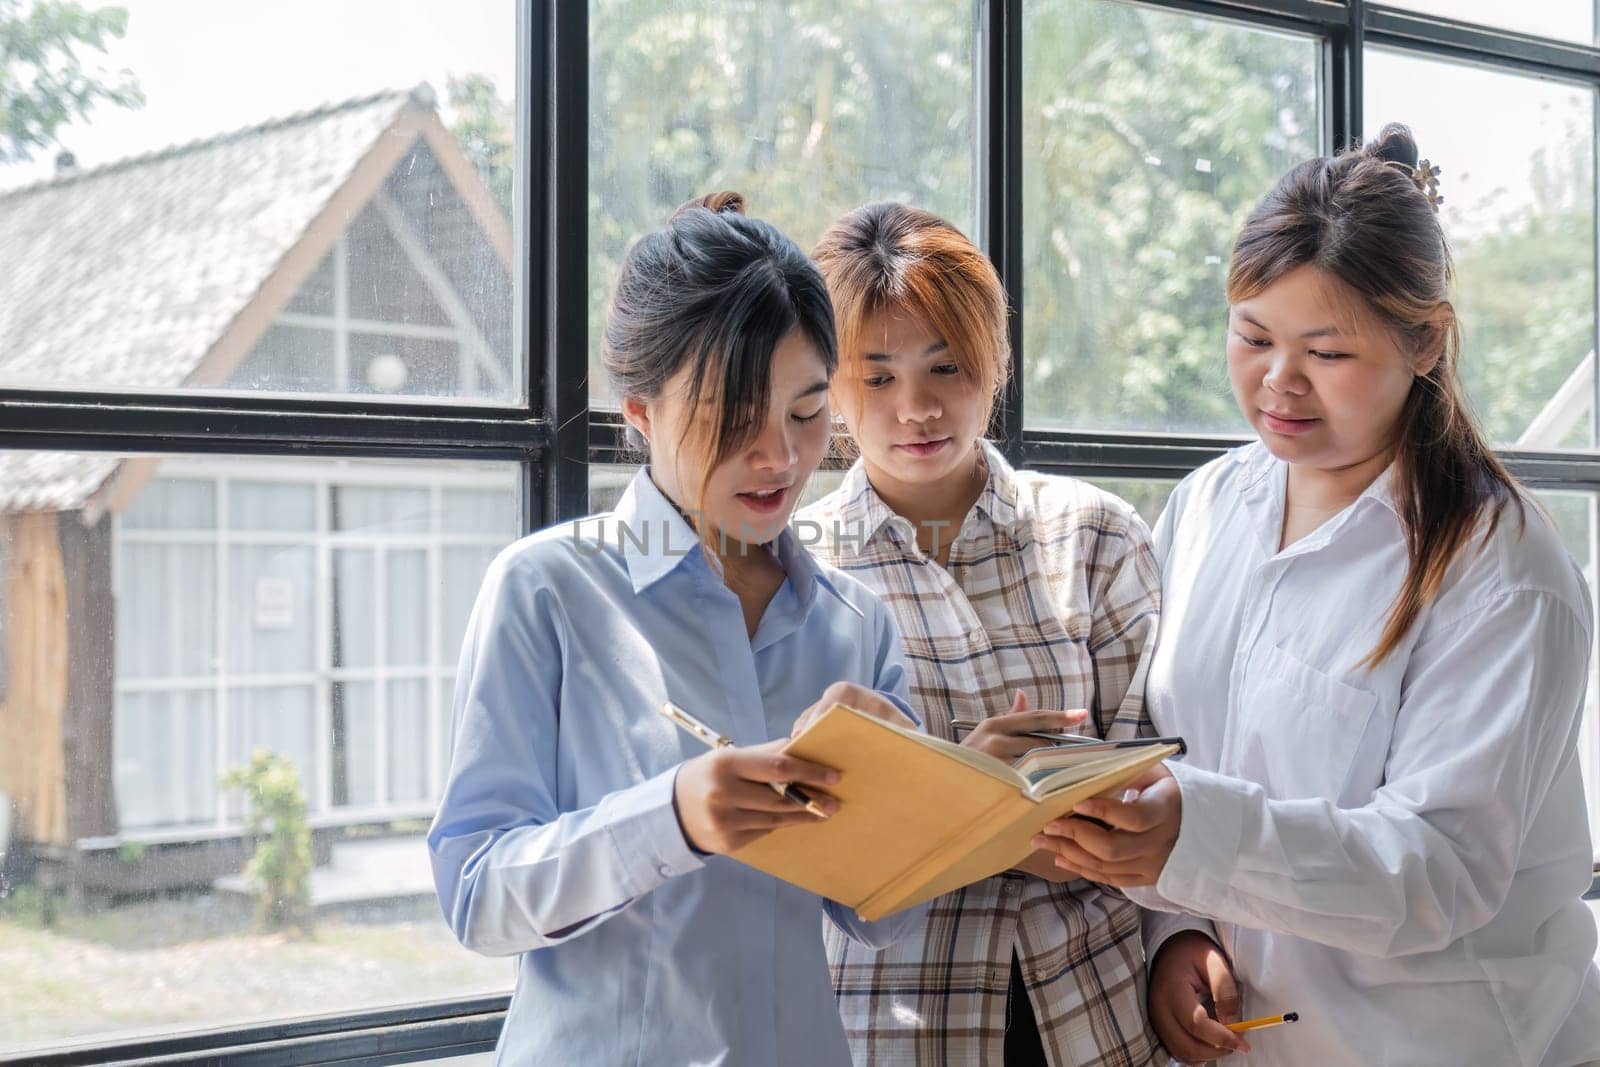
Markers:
{"x": 1132, "y": 849}
{"x": 1003, "y": 736}
{"x": 1189, "y": 973}
{"x": 725, "y": 798}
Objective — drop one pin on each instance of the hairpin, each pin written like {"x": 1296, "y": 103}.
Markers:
{"x": 1424, "y": 175}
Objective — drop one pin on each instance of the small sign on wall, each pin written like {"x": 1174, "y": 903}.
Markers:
{"x": 274, "y": 604}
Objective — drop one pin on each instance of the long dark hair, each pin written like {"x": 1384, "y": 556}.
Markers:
{"x": 716, "y": 291}
{"x": 1363, "y": 218}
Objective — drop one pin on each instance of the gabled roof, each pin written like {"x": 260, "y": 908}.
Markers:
{"x": 124, "y": 276}
{"x": 163, "y": 270}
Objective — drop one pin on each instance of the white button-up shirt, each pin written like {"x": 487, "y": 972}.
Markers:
{"x": 1398, "y": 855}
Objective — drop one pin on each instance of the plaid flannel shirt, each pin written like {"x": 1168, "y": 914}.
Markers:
{"x": 1051, "y": 587}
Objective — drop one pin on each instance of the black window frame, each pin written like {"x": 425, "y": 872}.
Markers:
{"x": 555, "y": 435}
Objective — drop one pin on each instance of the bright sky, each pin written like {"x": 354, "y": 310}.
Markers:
{"x": 1483, "y": 127}
{"x": 1571, "y": 20}
{"x": 208, "y": 67}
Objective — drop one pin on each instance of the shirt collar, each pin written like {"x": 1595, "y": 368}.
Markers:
{"x": 1264, "y": 484}
{"x": 652, "y": 536}
{"x": 865, "y": 511}
{"x": 655, "y": 539}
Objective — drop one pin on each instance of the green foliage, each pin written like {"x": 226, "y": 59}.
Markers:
{"x": 281, "y": 867}
{"x": 132, "y": 851}
{"x": 483, "y": 124}
{"x": 29, "y": 906}
{"x": 1147, "y": 137}
{"x": 43, "y": 82}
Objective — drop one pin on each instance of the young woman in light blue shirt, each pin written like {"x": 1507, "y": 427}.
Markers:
{"x": 581, "y": 830}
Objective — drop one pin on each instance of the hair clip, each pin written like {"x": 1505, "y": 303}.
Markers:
{"x": 1425, "y": 176}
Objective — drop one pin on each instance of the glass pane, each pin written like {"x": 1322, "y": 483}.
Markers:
{"x": 477, "y": 511}
{"x": 1147, "y": 136}
{"x": 607, "y": 482}
{"x": 166, "y": 758}
{"x": 360, "y": 752}
{"x": 408, "y": 741}
{"x": 1147, "y": 495}
{"x": 275, "y": 718}
{"x": 1518, "y": 210}
{"x": 172, "y": 504}
{"x": 167, "y": 627}
{"x": 223, "y": 635}
{"x": 808, "y": 108}
{"x": 355, "y": 576}
{"x": 407, "y": 609}
{"x": 362, "y": 509}
{"x": 1569, "y": 20}
{"x": 463, "y": 573}
{"x": 272, "y": 506}
{"x": 271, "y": 608}
{"x": 821, "y": 484}
{"x": 285, "y": 211}
{"x": 290, "y": 359}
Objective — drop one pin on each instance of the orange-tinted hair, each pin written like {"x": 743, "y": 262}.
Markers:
{"x": 889, "y": 255}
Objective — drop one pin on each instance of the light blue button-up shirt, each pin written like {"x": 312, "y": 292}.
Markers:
{"x": 557, "y": 838}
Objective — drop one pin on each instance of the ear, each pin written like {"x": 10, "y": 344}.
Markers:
{"x": 637, "y": 414}
{"x": 1433, "y": 344}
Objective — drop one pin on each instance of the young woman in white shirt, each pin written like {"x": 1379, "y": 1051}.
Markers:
{"x": 1377, "y": 649}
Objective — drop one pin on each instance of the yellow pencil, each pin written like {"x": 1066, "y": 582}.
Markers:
{"x": 1264, "y": 1022}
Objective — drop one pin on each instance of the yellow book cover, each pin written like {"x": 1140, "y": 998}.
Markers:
{"x": 920, "y": 816}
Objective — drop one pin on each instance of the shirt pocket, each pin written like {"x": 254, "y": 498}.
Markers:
{"x": 1297, "y": 728}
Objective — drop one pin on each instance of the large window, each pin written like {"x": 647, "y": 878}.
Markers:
{"x": 299, "y": 325}
{"x": 1133, "y": 186}
{"x": 808, "y": 108}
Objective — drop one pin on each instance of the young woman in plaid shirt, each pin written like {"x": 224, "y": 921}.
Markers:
{"x": 1010, "y": 589}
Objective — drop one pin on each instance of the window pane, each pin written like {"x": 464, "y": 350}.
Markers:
{"x": 408, "y": 740}
{"x": 1147, "y": 137}
{"x": 355, "y": 576}
{"x": 607, "y": 483}
{"x": 166, "y": 757}
{"x": 171, "y": 503}
{"x": 1518, "y": 211}
{"x": 361, "y": 744}
{"x": 363, "y": 509}
{"x": 477, "y": 511}
{"x": 287, "y": 215}
{"x": 276, "y": 718}
{"x": 807, "y": 108}
{"x": 1570, "y": 20}
{"x": 168, "y": 625}
{"x": 272, "y": 506}
{"x": 217, "y": 609}
{"x": 1147, "y": 495}
{"x": 463, "y": 573}
{"x": 407, "y": 607}
{"x": 273, "y": 598}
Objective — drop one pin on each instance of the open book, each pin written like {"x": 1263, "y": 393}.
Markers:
{"x": 920, "y": 816}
